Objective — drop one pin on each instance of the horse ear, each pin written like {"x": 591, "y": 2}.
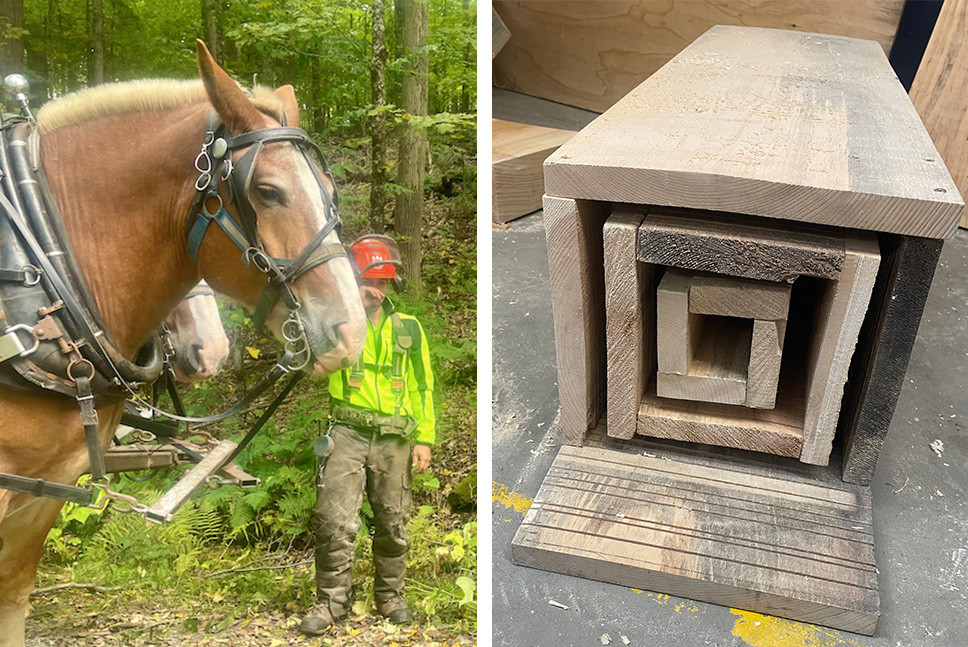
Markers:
{"x": 233, "y": 107}
{"x": 287, "y": 95}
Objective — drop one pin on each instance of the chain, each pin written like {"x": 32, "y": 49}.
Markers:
{"x": 118, "y": 502}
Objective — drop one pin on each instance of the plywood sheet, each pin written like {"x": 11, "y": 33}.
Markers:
{"x": 781, "y": 124}
{"x": 938, "y": 91}
{"x": 590, "y": 54}
{"x": 727, "y": 535}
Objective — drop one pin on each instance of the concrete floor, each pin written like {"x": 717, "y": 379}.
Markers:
{"x": 920, "y": 499}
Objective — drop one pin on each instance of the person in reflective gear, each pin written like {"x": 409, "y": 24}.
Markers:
{"x": 382, "y": 427}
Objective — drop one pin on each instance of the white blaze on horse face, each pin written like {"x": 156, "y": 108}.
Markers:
{"x": 201, "y": 346}
{"x": 287, "y": 198}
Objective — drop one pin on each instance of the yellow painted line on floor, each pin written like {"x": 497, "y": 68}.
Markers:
{"x": 507, "y": 497}
{"x": 758, "y": 630}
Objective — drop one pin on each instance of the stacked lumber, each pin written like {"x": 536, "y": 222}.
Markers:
{"x": 518, "y": 151}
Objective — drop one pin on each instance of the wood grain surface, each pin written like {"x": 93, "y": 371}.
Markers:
{"x": 720, "y": 534}
{"x": 590, "y": 54}
{"x": 839, "y": 319}
{"x": 781, "y": 124}
{"x": 776, "y": 431}
{"x": 938, "y": 91}
{"x": 766, "y": 358}
{"x": 711, "y": 294}
{"x": 517, "y": 179}
{"x": 576, "y": 273}
{"x": 738, "y": 246}
{"x": 629, "y": 313}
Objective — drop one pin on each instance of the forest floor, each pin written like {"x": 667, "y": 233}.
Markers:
{"x": 78, "y": 619}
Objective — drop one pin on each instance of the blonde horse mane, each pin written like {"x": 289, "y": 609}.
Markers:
{"x": 136, "y": 96}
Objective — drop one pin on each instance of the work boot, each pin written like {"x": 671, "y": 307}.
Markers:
{"x": 395, "y": 610}
{"x": 316, "y": 621}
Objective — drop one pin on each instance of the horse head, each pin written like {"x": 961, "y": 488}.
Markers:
{"x": 287, "y": 210}
{"x": 198, "y": 341}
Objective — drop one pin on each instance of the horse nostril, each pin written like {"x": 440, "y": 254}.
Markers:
{"x": 194, "y": 359}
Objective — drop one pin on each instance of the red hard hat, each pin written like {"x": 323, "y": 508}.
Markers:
{"x": 374, "y": 258}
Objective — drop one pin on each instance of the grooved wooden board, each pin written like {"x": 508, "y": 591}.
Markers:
{"x": 725, "y": 535}
{"x": 780, "y": 124}
{"x": 938, "y": 91}
{"x": 590, "y": 54}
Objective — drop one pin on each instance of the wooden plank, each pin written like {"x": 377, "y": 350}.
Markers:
{"x": 677, "y": 332}
{"x": 517, "y": 180}
{"x": 776, "y": 431}
{"x": 766, "y": 357}
{"x": 722, "y": 535}
{"x": 500, "y": 34}
{"x": 629, "y": 311}
{"x": 712, "y": 294}
{"x": 938, "y": 91}
{"x": 837, "y": 328}
{"x": 801, "y": 127}
{"x": 718, "y": 366}
{"x": 576, "y": 273}
{"x": 887, "y": 339}
{"x": 590, "y": 54}
{"x": 738, "y": 246}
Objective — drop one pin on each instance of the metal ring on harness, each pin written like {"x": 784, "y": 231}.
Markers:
{"x": 32, "y": 274}
{"x": 30, "y": 331}
{"x": 83, "y": 361}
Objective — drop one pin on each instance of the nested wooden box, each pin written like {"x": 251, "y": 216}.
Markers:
{"x": 739, "y": 252}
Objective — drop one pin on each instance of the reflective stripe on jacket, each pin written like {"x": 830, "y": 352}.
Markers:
{"x": 376, "y": 391}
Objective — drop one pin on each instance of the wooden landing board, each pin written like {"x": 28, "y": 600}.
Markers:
{"x": 517, "y": 180}
{"x": 938, "y": 91}
{"x": 780, "y": 124}
{"x": 723, "y": 534}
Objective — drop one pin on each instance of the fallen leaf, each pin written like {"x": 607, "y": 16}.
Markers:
{"x": 253, "y": 352}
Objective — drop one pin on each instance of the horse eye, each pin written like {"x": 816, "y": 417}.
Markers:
{"x": 269, "y": 194}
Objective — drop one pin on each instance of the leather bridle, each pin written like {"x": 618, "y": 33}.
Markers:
{"x": 216, "y": 167}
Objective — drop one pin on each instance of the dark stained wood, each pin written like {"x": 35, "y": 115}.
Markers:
{"x": 884, "y": 350}
{"x": 722, "y": 534}
{"x": 738, "y": 246}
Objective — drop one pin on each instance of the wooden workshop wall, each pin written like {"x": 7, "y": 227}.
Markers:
{"x": 590, "y": 54}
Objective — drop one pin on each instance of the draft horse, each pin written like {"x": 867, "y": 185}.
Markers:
{"x": 140, "y": 173}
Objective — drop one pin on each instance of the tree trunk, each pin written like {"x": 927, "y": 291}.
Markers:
{"x": 212, "y": 27}
{"x": 12, "y": 44}
{"x": 95, "y": 74}
{"x": 408, "y": 212}
{"x": 378, "y": 123}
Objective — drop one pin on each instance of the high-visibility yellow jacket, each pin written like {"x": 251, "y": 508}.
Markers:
{"x": 376, "y": 391}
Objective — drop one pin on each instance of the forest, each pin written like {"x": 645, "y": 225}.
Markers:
{"x": 388, "y": 92}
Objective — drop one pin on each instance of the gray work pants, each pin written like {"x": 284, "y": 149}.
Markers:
{"x": 382, "y": 465}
